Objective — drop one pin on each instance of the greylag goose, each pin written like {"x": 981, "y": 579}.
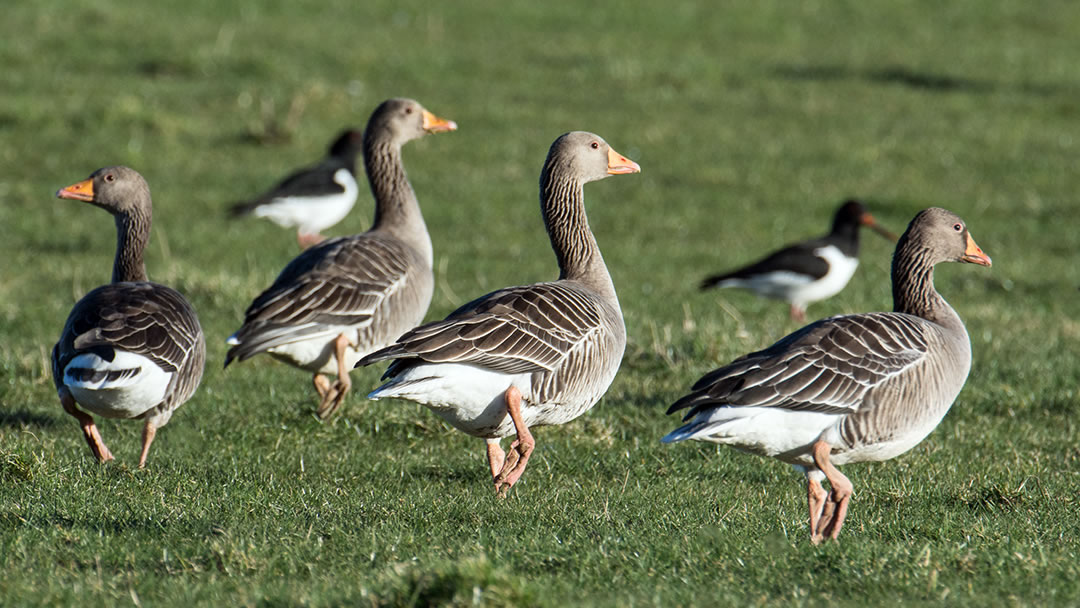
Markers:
{"x": 854, "y": 388}
{"x": 131, "y": 348}
{"x": 525, "y": 356}
{"x": 313, "y": 198}
{"x": 349, "y": 296}
{"x": 808, "y": 271}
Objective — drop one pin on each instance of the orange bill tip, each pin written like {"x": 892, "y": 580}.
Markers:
{"x": 82, "y": 191}
{"x": 434, "y": 124}
{"x": 619, "y": 164}
{"x": 974, "y": 254}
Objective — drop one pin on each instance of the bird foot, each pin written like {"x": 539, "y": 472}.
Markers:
{"x": 516, "y": 459}
{"x": 331, "y": 401}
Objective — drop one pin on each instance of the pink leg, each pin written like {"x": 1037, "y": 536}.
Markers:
{"x": 522, "y": 446}
{"x": 496, "y": 458}
{"x": 86, "y": 421}
{"x": 331, "y": 401}
{"x": 798, "y": 313}
{"x": 815, "y": 498}
{"x": 308, "y": 240}
{"x": 148, "y": 433}
{"x": 839, "y": 496}
{"x": 322, "y": 385}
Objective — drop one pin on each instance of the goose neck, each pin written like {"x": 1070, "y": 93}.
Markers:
{"x": 913, "y": 286}
{"x": 132, "y": 235}
{"x": 397, "y": 211}
{"x": 562, "y": 203}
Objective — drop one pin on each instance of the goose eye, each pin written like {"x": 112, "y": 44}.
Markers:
{"x": 958, "y": 227}
{"x": 109, "y": 177}
{"x": 595, "y": 145}
{"x": 408, "y": 110}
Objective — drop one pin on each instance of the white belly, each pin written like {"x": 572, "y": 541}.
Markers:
{"x": 782, "y": 434}
{"x": 469, "y": 398}
{"x": 316, "y": 354}
{"x": 140, "y": 386}
{"x": 841, "y": 269}
{"x": 311, "y": 214}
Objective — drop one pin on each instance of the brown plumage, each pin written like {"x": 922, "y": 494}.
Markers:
{"x": 349, "y": 296}
{"x": 525, "y": 356}
{"x": 132, "y": 348}
{"x": 864, "y": 387}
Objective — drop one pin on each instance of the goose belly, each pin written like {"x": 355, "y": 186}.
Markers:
{"x": 469, "y": 398}
{"x": 777, "y": 433}
{"x": 125, "y": 387}
{"x": 316, "y": 354}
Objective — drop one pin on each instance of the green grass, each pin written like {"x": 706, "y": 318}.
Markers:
{"x": 750, "y": 120}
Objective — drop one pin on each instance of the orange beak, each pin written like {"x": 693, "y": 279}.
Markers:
{"x": 869, "y": 221}
{"x": 82, "y": 191}
{"x": 434, "y": 124}
{"x": 974, "y": 255}
{"x": 617, "y": 164}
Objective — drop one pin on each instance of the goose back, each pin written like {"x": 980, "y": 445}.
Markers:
{"x": 371, "y": 284}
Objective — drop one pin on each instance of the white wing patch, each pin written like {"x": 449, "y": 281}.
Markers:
{"x": 125, "y": 387}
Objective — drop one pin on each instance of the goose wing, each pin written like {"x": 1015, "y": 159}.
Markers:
{"x": 339, "y": 283}
{"x": 143, "y": 318}
{"x": 828, "y": 366}
{"x": 514, "y": 330}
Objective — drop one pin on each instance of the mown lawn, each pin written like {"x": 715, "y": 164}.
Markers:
{"x": 750, "y": 120}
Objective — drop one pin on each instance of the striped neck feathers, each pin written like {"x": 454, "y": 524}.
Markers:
{"x": 396, "y": 209}
{"x": 562, "y": 203}
{"x": 132, "y": 235}
{"x": 913, "y": 285}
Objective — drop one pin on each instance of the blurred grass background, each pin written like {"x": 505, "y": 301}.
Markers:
{"x": 751, "y": 122}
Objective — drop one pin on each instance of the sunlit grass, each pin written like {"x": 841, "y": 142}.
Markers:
{"x": 750, "y": 122}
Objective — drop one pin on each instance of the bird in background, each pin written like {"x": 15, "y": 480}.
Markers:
{"x": 130, "y": 348}
{"x": 349, "y": 296}
{"x": 851, "y": 388}
{"x": 808, "y": 271}
{"x": 314, "y": 198}
{"x": 526, "y": 356}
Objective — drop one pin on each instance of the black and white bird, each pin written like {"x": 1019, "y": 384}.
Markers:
{"x": 313, "y": 198}
{"x": 808, "y": 271}
{"x": 131, "y": 348}
{"x": 351, "y": 295}
{"x": 851, "y": 388}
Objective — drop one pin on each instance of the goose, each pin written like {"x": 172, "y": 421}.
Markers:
{"x": 349, "y": 296}
{"x": 850, "y": 388}
{"x": 807, "y": 271}
{"x": 521, "y": 357}
{"x": 131, "y": 348}
{"x": 313, "y": 198}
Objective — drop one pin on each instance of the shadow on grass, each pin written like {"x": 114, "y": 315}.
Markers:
{"x": 991, "y": 498}
{"x": 914, "y": 79}
{"x": 19, "y": 419}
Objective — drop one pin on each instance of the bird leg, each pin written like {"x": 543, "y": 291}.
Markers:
{"x": 86, "y": 421}
{"x": 520, "y": 449}
{"x": 839, "y": 496}
{"x": 322, "y": 385}
{"x": 815, "y": 498}
{"x": 496, "y": 458}
{"x": 798, "y": 313}
{"x": 148, "y": 432}
{"x": 308, "y": 240}
{"x": 333, "y": 397}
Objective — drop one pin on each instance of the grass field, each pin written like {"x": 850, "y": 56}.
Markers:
{"x": 750, "y": 121}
